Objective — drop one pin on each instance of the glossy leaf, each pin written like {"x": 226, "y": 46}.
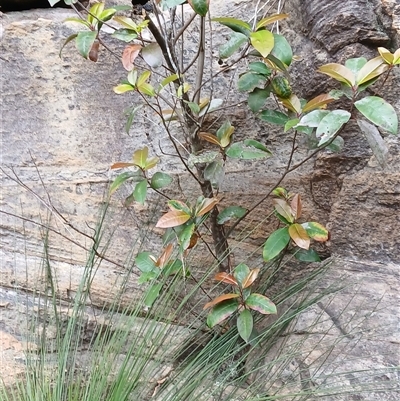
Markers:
{"x": 296, "y": 206}
{"x": 185, "y": 236}
{"x": 299, "y": 235}
{"x": 316, "y": 231}
{"x": 231, "y": 212}
{"x": 269, "y": 20}
{"x": 260, "y": 68}
{"x": 261, "y": 304}
{"x": 292, "y": 103}
{"x": 174, "y": 267}
{"x": 379, "y": 112}
{"x": 129, "y": 55}
{"x": 69, "y": 39}
{"x": 146, "y": 89}
{"x": 262, "y": 41}
{"x": 226, "y": 278}
{"x": 200, "y": 6}
{"x": 209, "y": 138}
{"x": 281, "y": 192}
{"x": 318, "y": 102}
{"x": 124, "y": 34}
{"x": 257, "y": 99}
{"x": 140, "y": 192}
{"x": 126, "y": 22}
{"x": 150, "y": 276}
{"x": 224, "y": 134}
{"x": 308, "y": 255}
{"x": 282, "y": 49}
{"x": 153, "y": 55}
{"x": 276, "y": 243}
{"x": 241, "y": 272}
{"x": 375, "y": 141}
{"x": 249, "y": 80}
{"x": 119, "y": 89}
{"x": 215, "y": 104}
{"x": 234, "y": 24}
{"x": 290, "y": 124}
{"x": 207, "y": 205}
{"x": 313, "y": 118}
{"x": 234, "y": 43}
{"x": 160, "y": 180}
{"x": 122, "y": 165}
{"x": 355, "y": 64}
{"x": 250, "y": 278}
{"x": 145, "y": 263}
{"x": 248, "y": 149}
{"x": 84, "y": 41}
{"x": 386, "y": 55}
{"x": 331, "y": 124}
{"x": 220, "y": 299}
{"x": 140, "y": 157}
{"x": 372, "y": 69}
{"x": 282, "y": 207}
{"x": 244, "y": 324}
{"x": 178, "y": 205}
{"x": 152, "y": 294}
{"x": 222, "y": 311}
{"x": 339, "y": 72}
{"x": 121, "y": 179}
{"x": 274, "y": 117}
{"x": 173, "y": 218}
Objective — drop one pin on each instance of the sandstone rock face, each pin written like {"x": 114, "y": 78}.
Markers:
{"x": 62, "y": 127}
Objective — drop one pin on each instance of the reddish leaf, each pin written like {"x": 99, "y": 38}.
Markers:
{"x": 226, "y": 278}
{"x": 129, "y": 55}
{"x": 207, "y": 205}
{"x": 219, "y": 299}
{"x": 209, "y": 138}
{"x": 173, "y": 218}
{"x": 296, "y": 206}
{"x": 282, "y": 207}
{"x": 249, "y": 280}
{"x": 165, "y": 256}
{"x": 292, "y": 103}
{"x": 318, "y": 102}
{"x": 94, "y": 51}
{"x": 299, "y": 235}
{"x": 339, "y": 72}
{"x": 270, "y": 20}
{"x": 122, "y": 165}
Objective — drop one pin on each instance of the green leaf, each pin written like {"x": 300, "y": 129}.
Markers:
{"x": 173, "y": 267}
{"x": 274, "y": 117}
{"x": 241, "y": 272}
{"x": 122, "y": 178}
{"x": 194, "y": 107}
{"x": 160, "y": 180}
{"x": 71, "y": 37}
{"x": 130, "y": 113}
{"x": 248, "y": 149}
{"x": 355, "y": 64}
{"x": 221, "y": 311}
{"x": 375, "y": 141}
{"x": 234, "y": 24}
{"x": 123, "y": 88}
{"x": 257, "y": 99}
{"x": 290, "y": 124}
{"x": 282, "y": 50}
{"x": 260, "y": 68}
{"x": 261, "y": 304}
{"x": 249, "y": 80}
{"x": 245, "y": 324}
{"x": 215, "y": 172}
{"x": 331, "y": 124}
{"x": 316, "y": 231}
{"x": 262, "y": 41}
{"x": 313, "y": 118}
{"x": 144, "y": 263}
{"x": 200, "y": 6}
{"x": 234, "y": 43}
{"x": 84, "y": 42}
{"x": 278, "y": 64}
{"x": 336, "y": 145}
{"x": 140, "y": 192}
{"x": 185, "y": 236}
{"x": 308, "y": 255}
{"x": 231, "y": 212}
{"x": 152, "y": 294}
{"x": 379, "y": 112}
{"x": 153, "y": 55}
{"x": 276, "y": 243}
{"x": 224, "y": 133}
{"x": 206, "y": 157}
{"x": 149, "y": 276}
